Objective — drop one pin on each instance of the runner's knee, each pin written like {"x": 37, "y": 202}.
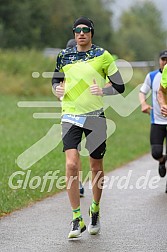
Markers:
{"x": 72, "y": 167}
{"x": 157, "y": 151}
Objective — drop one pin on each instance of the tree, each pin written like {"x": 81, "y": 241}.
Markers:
{"x": 49, "y": 22}
{"x": 141, "y": 34}
{"x": 22, "y": 23}
{"x": 65, "y": 12}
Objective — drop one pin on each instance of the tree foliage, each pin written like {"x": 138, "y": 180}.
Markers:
{"x": 22, "y": 23}
{"x": 93, "y": 9}
{"x": 141, "y": 35}
{"x": 49, "y": 22}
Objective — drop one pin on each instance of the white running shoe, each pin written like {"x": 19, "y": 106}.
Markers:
{"x": 94, "y": 225}
{"x": 78, "y": 226}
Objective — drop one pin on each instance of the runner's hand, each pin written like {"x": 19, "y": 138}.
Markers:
{"x": 164, "y": 110}
{"x": 95, "y": 89}
{"x": 145, "y": 108}
{"x": 60, "y": 90}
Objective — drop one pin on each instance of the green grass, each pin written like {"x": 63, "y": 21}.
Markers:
{"x": 19, "y": 130}
{"x": 16, "y": 72}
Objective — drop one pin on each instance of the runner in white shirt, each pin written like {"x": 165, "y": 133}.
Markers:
{"x": 158, "y": 132}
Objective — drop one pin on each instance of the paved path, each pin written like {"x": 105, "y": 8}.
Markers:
{"x": 131, "y": 219}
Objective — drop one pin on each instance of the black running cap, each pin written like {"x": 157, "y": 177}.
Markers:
{"x": 163, "y": 54}
{"x": 85, "y": 21}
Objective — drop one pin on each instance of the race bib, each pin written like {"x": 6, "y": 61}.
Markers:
{"x": 76, "y": 120}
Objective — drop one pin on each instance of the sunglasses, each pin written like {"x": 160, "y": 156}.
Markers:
{"x": 84, "y": 29}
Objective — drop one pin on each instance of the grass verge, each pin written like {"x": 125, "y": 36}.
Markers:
{"x": 19, "y": 131}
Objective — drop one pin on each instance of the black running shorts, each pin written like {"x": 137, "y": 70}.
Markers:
{"x": 95, "y": 131}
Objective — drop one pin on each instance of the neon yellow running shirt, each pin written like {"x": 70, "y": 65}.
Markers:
{"x": 164, "y": 77}
{"x": 80, "y": 69}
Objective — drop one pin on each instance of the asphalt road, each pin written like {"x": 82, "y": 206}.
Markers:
{"x": 133, "y": 217}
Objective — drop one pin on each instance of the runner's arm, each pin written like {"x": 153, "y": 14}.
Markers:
{"x": 115, "y": 86}
{"x": 57, "y": 78}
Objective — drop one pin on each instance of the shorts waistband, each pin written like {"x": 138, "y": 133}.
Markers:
{"x": 97, "y": 113}
{"x": 94, "y": 113}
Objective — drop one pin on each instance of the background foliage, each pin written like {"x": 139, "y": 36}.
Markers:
{"x": 47, "y": 23}
{"x": 141, "y": 32}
